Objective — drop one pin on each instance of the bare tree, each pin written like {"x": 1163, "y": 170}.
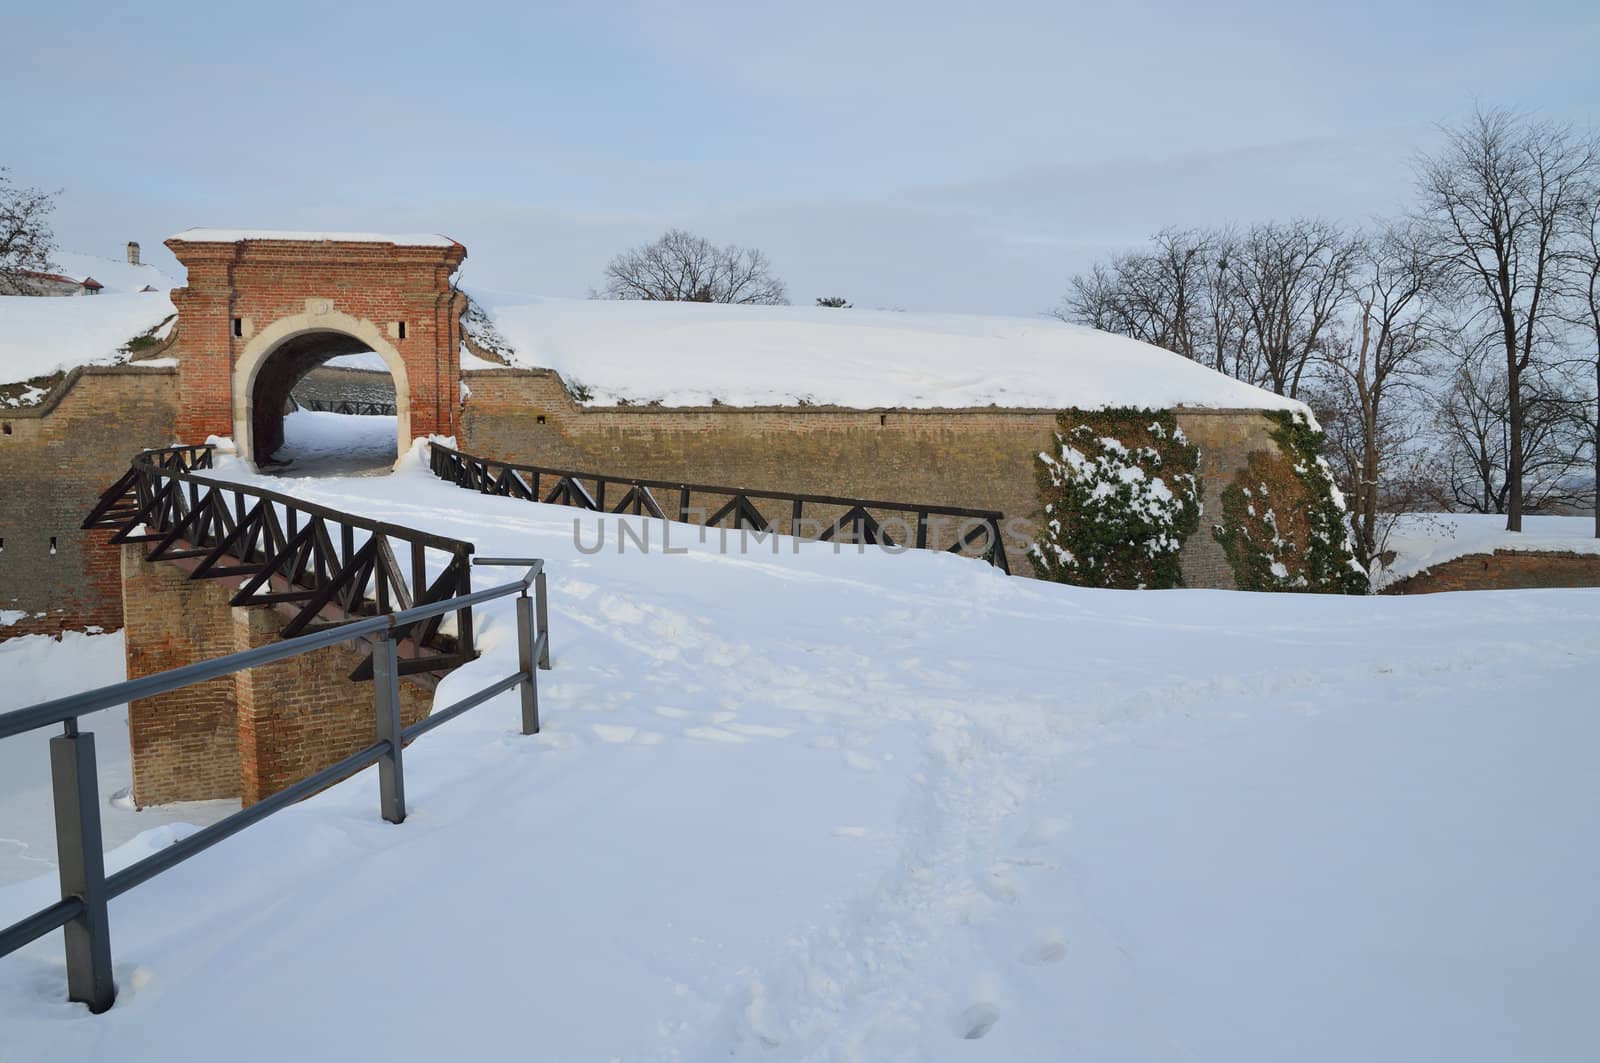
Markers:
{"x": 1258, "y": 307}
{"x": 25, "y": 236}
{"x": 683, "y": 267}
{"x": 1500, "y": 202}
{"x": 1225, "y": 322}
{"x": 1369, "y": 379}
{"x": 1586, "y": 319}
{"x": 1474, "y": 429}
{"x": 1095, "y": 299}
{"x": 1292, "y": 279}
{"x": 1155, "y": 295}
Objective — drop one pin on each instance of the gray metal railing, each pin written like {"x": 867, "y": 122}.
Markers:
{"x": 86, "y": 888}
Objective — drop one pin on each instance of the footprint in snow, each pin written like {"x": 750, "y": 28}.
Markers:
{"x": 977, "y": 1020}
{"x": 1050, "y": 948}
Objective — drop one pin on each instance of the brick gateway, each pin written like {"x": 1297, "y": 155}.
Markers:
{"x": 259, "y": 313}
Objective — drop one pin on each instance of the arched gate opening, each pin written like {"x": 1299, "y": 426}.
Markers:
{"x": 274, "y": 430}
{"x": 313, "y": 424}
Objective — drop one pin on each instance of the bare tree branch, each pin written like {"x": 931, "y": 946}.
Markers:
{"x": 682, "y": 267}
{"x": 26, "y": 240}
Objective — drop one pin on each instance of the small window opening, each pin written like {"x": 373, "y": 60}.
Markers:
{"x": 883, "y": 418}
{"x": 52, "y": 546}
{"x": 2, "y": 544}
{"x": 541, "y": 418}
{"x": 238, "y": 327}
{"x": 8, "y": 428}
{"x": 401, "y": 329}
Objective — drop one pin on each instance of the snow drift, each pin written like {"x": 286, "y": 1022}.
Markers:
{"x": 693, "y": 354}
{"x": 40, "y": 335}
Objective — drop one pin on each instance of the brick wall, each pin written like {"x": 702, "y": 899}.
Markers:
{"x": 184, "y": 744}
{"x": 298, "y": 716}
{"x": 54, "y": 462}
{"x": 248, "y": 735}
{"x": 977, "y": 458}
{"x": 1504, "y": 570}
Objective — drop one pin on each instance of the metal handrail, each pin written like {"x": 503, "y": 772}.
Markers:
{"x": 86, "y": 888}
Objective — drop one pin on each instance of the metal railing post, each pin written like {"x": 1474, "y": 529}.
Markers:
{"x": 386, "y": 701}
{"x": 542, "y": 604}
{"x": 81, "y": 860}
{"x": 530, "y": 689}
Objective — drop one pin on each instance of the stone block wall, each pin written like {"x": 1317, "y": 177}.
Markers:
{"x": 979, "y": 458}
{"x": 1504, "y": 570}
{"x": 55, "y": 459}
{"x": 328, "y": 384}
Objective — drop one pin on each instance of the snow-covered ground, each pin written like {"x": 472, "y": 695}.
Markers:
{"x": 1422, "y": 540}
{"x": 36, "y": 668}
{"x": 336, "y": 444}
{"x": 40, "y": 335}
{"x": 689, "y": 354}
{"x": 823, "y": 805}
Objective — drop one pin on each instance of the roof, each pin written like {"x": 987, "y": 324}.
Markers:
{"x": 112, "y": 274}
{"x": 695, "y": 354}
{"x": 86, "y": 282}
{"x": 231, "y": 236}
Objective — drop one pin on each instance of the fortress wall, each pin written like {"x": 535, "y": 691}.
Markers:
{"x": 1504, "y": 570}
{"x": 55, "y": 459}
{"x": 975, "y": 458}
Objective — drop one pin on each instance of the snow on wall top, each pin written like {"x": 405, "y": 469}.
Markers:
{"x": 688, "y": 354}
{"x": 229, "y": 236}
{"x": 41, "y": 335}
{"x": 1421, "y": 541}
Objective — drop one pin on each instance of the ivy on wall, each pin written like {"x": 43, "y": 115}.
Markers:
{"x": 1283, "y": 518}
{"x": 1120, "y": 497}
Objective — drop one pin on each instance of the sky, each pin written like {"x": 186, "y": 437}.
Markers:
{"x": 920, "y": 156}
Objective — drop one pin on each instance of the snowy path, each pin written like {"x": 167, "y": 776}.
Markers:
{"x": 828, "y": 806}
{"x": 316, "y": 443}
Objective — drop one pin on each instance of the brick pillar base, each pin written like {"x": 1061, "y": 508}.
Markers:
{"x": 248, "y": 735}
{"x": 298, "y": 716}
{"x": 185, "y": 744}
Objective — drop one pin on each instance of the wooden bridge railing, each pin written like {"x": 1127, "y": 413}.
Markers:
{"x": 327, "y": 566}
{"x": 856, "y": 520}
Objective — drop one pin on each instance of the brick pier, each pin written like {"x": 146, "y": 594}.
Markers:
{"x": 247, "y": 735}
